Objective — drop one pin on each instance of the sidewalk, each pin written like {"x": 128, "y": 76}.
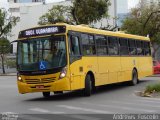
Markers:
{"x": 156, "y": 75}
{"x": 8, "y": 74}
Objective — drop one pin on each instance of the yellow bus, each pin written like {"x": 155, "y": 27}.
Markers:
{"x": 61, "y": 57}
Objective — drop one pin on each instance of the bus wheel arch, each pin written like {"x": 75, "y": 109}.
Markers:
{"x": 92, "y": 80}
{"x": 134, "y": 79}
{"x": 89, "y": 83}
{"x": 137, "y": 72}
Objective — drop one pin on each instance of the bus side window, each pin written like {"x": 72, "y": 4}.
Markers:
{"x": 88, "y": 44}
{"x": 139, "y": 47}
{"x": 132, "y": 47}
{"x": 123, "y": 46}
{"x": 102, "y": 45}
{"x": 74, "y": 48}
{"x": 147, "y": 48}
{"x": 113, "y": 46}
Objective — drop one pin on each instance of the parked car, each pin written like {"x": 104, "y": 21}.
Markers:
{"x": 156, "y": 67}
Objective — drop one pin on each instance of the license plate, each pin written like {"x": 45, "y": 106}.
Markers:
{"x": 39, "y": 86}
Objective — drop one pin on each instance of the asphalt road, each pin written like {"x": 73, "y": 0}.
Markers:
{"x": 111, "y": 99}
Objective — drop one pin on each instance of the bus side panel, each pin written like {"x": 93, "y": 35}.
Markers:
{"x": 103, "y": 71}
{"x": 79, "y": 69}
{"x": 127, "y": 65}
{"x": 145, "y": 69}
{"x": 113, "y": 67}
{"x": 76, "y": 75}
{"x": 90, "y": 64}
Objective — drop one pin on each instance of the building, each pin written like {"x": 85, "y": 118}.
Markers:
{"x": 4, "y": 4}
{"x": 122, "y": 11}
{"x": 29, "y": 12}
{"x": 24, "y": 1}
{"x": 122, "y": 6}
{"x": 35, "y": 12}
{"x": 14, "y": 9}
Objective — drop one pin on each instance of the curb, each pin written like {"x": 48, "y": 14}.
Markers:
{"x": 154, "y": 76}
{"x": 8, "y": 75}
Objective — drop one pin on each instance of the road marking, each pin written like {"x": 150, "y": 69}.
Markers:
{"x": 121, "y": 107}
{"x": 9, "y": 113}
{"x": 148, "y": 101}
{"x": 85, "y": 109}
{"x": 139, "y": 104}
{"x": 81, "y": 117}
{"x": 29, "y": 117}
{"x": 155, "y": 99}
{"x": 45, "y": 111}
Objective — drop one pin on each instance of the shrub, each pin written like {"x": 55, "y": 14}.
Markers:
{"x": 153, "y": 88}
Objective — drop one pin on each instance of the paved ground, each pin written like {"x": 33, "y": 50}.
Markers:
{"x": 8, "y": 70}
{"x": 110, "y": 99}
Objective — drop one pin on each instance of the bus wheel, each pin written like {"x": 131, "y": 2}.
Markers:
{"x": 46, "y": 94}
{"x": 58, "y": 92}
{"x": 134, "y": 80}
{"x": 88, "y": 86}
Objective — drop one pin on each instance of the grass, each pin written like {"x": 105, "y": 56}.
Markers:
{"x": 152, "y": 88}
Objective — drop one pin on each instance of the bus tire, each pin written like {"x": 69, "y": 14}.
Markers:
{"x": 88, "y": 86}
{"x": 58, "y": 92}
{"x": 46, "y": 94}
{"x": 134, "y": 80}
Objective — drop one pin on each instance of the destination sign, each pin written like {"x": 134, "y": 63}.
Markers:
{"x": 40, "y": 31}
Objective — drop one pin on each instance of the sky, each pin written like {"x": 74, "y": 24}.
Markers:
{"x": 131, "y": 3}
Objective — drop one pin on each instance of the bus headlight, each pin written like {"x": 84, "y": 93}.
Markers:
{"x": 19, "y": 78}
{"x": 63, "y": 73}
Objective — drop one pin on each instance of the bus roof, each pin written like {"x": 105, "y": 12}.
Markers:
{"x": 85, "y": 28}
{"x": 82, "y": 28}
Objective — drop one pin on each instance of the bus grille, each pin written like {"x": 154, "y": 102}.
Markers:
{"x": 40, "y": 81}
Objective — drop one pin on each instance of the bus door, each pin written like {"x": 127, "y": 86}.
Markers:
{"x": 76, "y": 68}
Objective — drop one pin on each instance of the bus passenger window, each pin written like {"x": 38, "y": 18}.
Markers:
{"x": 88, "y": 44}
{"x": 113, "y": 46}
{"x": 74, "y": 46}
{"x": 102, "y": 45}
{"x": 147, "y": 48}
{"x": 132, "y": 47}
{"x": 124, "y": 46}
{"x": 139, "y": 47}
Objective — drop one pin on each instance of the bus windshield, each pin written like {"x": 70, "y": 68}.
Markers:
{"x": 41, "y": 53}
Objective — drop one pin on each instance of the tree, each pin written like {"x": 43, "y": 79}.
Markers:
{"x": 81, "y": 12}
{"x": 88, "y": 11}
{"x": 6, "y": 22}
{"x": 145, "y": 21}
{"x": 4, "y": 49}
{"x": 58, "y": 13}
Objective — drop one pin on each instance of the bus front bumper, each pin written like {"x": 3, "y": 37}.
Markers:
{"x": 59, "y": 85}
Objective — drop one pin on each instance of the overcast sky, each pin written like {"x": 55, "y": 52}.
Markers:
{"x": 131, "y": 3}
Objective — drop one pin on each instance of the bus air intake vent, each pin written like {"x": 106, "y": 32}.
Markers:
{"x": 40, "y": 81}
